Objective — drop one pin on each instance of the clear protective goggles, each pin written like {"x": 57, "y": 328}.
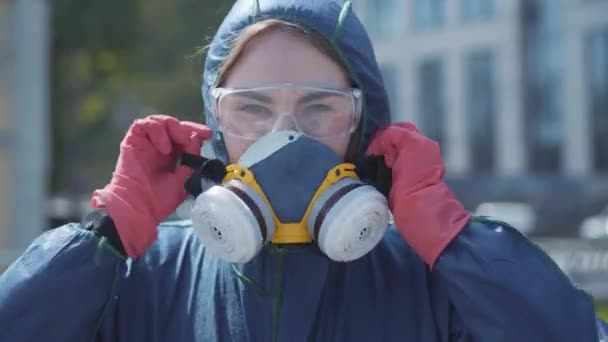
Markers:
{"x": 321, "y": 113}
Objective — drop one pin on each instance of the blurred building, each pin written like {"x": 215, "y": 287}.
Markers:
{"x": 516, "y": 92}
{"x": 24, "y": 124}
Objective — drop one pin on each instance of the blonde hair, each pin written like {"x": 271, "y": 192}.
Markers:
{"x": 269, "y": 25}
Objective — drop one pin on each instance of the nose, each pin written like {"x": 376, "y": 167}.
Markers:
{"x": 285, "y": 122}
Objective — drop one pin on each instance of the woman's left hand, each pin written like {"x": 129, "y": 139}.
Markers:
{"x": 426, "y": 212}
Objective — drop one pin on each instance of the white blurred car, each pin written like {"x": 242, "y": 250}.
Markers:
{"x": 595, "y": 227}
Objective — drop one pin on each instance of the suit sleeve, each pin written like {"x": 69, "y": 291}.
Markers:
{"x": 60, "y": 288}
{"x": 502, "y": 287}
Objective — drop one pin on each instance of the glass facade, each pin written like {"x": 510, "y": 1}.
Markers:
{"x": 596, "y": 65}
{"x": 477, "y": 10}
{"x": 384, "y": 20}
{"x": 430, "y": 88}
{"x": 543, "y": 84}
{"x": 6, "y": 156}
{"x": 5, "y": 68}
{"x": 480, "y": 104}
{"x": 390, "y": 75}
{"x": 428, "y": 14}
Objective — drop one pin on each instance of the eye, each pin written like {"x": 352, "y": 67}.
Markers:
{"x": 254, "y": 109}
{"x": 254, "y": 112}
{"x": 317, "y": 108}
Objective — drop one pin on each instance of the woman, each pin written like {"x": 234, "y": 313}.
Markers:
{"x": 437, "y": 275}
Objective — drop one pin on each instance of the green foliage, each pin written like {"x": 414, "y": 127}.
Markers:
{"x": 114, "y": 61}
{"x": 602, "y": 310}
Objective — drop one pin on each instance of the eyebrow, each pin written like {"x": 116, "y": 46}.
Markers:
{"x": 311, "y": 96}
{"x": 255, "y": 96}
{"x": 316, "y": 95}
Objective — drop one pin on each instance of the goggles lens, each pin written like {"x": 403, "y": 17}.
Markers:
{"x": 251, "y": 113}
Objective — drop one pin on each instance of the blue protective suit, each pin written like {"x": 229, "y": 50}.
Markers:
{"x": 490, "y": 284}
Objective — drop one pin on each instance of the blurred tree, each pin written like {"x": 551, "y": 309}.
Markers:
{"x": 114, "y": 61}
{"x": 602, "y": 310}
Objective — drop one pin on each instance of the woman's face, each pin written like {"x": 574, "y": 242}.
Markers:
{"x": 279, "y": 57}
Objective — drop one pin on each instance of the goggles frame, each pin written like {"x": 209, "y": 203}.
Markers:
{"x": 354, "y": 93}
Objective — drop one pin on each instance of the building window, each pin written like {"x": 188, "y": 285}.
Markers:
{"x": 5, "y": 75}
{"x": 596, "y": 57}
{"x": 384, "y": 18}
{"x": 543, "y": 86}
{"x": 428, "y": 14}
{"x": 5, "y": 124}
{"x": 5, "y": 140}
{"x": 480, "y": 104}
{"x": 477, "y": 10}
{"x": 431, "y": 98}
{"x": 390, "y": 75}
{"x": 5, "y": 32}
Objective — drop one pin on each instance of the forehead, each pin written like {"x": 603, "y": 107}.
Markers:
{"x": 283, "y": 93}
{"x": 280, "y": 57}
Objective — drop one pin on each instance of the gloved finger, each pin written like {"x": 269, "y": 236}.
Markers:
{"x": 194, "y": 146}
{"x": 375, "y": 147}
{"x": 408, "y": 134}
{"x": 178, "y": 180}
{"x": 408, "y": 126}
{"x": 157, "y": 135}
{"x": 176, "y": 133}
{"x": 182, "y": 132}
{"x": 161, "y": 117}
{"x": 402, "y": 137}
{"x": 411, "y": 140}
{"x": 401, "y": 133}
{"x": 136, "y": 137}
{"x": 202, "y": 131}
{"x": 380, "y": 146}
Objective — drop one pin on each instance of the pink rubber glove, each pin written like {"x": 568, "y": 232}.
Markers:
{"x": 146, "y": 186}
{"x": 425, "y": 211}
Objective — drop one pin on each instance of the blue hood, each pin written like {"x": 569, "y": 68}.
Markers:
{"x": 332, "y": 19}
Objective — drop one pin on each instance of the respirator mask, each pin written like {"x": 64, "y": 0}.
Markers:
{"x": 286, "y": 189}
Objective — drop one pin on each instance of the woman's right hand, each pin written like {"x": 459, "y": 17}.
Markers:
{"x": 147, "y": 185}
